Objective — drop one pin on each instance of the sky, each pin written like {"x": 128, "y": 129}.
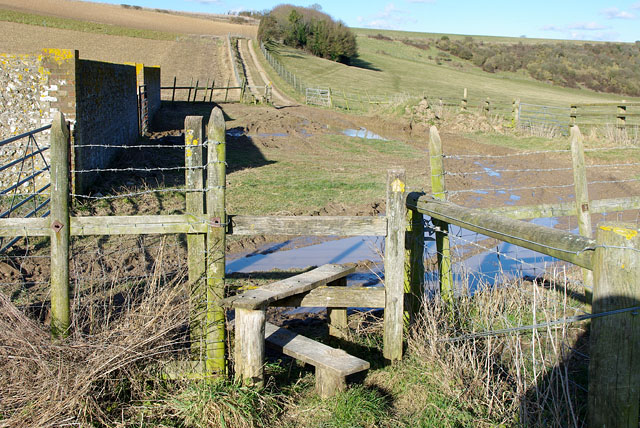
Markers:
{"x": 613, "y": 20}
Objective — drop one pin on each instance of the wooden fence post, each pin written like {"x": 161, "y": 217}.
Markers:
{"x": 250, "y": 346}
{"x": 515, "y": 112}
{"x": 60, "y": 227}
{"x": 622, "y": 116}
{"x": 442, "y": 228}
{"x": 573, "y": 115}
{"x": 582, "y": 200}
{"x": 463, "y": 105}
{"x": 614, "y": 366}
{"x": 487, "y": 107}
{"x": 194, "y": 179}
{"x": 338, "y": 321}
{"x": 394, "y": 265}
{"x": 216, "y": 241}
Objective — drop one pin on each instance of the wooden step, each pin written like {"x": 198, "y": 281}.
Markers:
{"x": 332, "y": 365}
{"x": 261, "y": 297}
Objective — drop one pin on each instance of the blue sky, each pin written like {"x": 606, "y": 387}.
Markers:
{"x": 558, "y": 19}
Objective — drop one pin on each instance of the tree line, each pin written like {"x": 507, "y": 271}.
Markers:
{"x": 605, "y": 67}
{"x": 309, "y": 29}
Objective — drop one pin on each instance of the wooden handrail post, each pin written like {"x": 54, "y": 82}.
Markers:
{"x": 582, "y": 201}
{"x": 614, "y": 366}
{"x": 441, "y": 228}
{"x": 394, "y": 265}
{"x": 60, "y": 227}
{"x": 216, "y": 241}
{"x": 194, "y": 179}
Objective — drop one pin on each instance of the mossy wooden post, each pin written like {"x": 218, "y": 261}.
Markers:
{"x": 582, "y": 200}
{"x": 515, "y": 112}
{"x": 394, "y": 265}
{"x": 216, "y": 183}
{"x": 414, "y": 264}
{"x": 338, "y": 321}
{"x": 436, "y": 161}
{"x": 196, "y": 249}
{"x": 614, "y": 366}
{"x": 60, "y": 227}
{"x": 463, "y": 105}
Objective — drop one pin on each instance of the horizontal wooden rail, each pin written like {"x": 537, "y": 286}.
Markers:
{"x": 609, "y": 104}
{"x": 183, "y": 223}
{"x": 566, "y": 208}
{"x": 556, "y": 243}
{"x": 337, "y": 297}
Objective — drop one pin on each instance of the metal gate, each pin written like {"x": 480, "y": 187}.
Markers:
{"x": 319, "y": 97}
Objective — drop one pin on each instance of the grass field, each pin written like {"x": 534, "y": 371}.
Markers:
{"x": 387, "y": 67}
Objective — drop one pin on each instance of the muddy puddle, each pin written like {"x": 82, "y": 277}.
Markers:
{"x": 363, "y": 133}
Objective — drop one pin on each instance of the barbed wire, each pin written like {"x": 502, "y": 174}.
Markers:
{"x": 133, "y": 169}
{"x": 532, "y": 327}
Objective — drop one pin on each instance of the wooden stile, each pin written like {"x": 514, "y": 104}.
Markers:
{"x": 60, "y": 227}
{"x": 338, "y": 321}
{"x": 394, "y": 265}
{"x": 216, "y": 185}
{"x": 196, "y": 245}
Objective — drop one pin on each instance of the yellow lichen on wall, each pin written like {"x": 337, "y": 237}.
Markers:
{"x": 59, "y": 55}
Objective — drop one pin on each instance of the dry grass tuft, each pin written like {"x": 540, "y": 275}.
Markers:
{"x": 87, "y": 379}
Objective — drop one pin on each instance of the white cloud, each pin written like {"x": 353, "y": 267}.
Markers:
{"x": 609, "y": 36}
{"x": 207, "y": 1}
{"x": 552, "y": 28}
{"x": 635, "y": 5}
{"x": 390, "y": 18}
{"x": 615, "y": 13}
{"x": 421, "y": 1}
{"x": 587, "y": 26}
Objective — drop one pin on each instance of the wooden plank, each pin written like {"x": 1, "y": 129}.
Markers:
{"x": 216, "y": 241}
{"x": 394, "y": 265}
{"x": 309, "y": 225}
{"x": 566, "y": 209}
{"x": 260, "y": 297}
{"x": 138, "y": 225}
{"x": 196, "y": 245}
{"x": 614, "y": 341}
{"x": 60, "y": 227}
{"x": 607, "y": 104}
{"x": 582, "y": 200}
{"x": 414, "y": 265}
{"x": 560, "y": 244}
{"x": 312, "y": 352}
{"x": 11, "y": 227}
{"x": 438, "y": 190}
{"x": 336, "y": 297}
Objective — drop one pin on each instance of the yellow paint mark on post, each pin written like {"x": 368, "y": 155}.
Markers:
{"x": 397, "y": 185}
{"x": 622, "y": 231}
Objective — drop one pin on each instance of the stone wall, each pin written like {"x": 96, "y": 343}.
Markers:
{"x": 107, "y": 114}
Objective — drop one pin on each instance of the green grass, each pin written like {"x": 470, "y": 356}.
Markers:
{"x": 84, "y": 26}
{"x": 391, "y": 67}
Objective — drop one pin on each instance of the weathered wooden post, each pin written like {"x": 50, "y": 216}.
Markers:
{"x": 614, "y": 366}
{"x": 436, "y": 161}
{"x": 394, "y": 265}
{"x": 487, "y": 107}
{"x": 515, "y": 112}
{"x": 249, "y": 346}
{"x": 194, "y": 179}
{"x": 216, "y": 241}
{"x": 463, "y": 104}
{"x": 582, "y": 200}
{"x": 60, "y": 227}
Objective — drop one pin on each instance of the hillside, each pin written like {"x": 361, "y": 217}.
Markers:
{"x": 392, "y": 62}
